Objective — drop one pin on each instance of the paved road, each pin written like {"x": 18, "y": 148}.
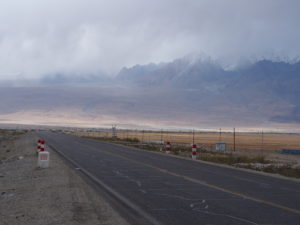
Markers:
{"x": 173, "y": 191}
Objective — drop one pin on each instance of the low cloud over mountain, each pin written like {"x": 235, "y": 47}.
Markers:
{"x": 186, "y": 92}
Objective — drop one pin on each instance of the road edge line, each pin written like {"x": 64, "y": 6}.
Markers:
{"x": 112, "y": 192}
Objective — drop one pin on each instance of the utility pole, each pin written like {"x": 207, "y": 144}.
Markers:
{"x": 262, "y": 141}
{"x": 220, "y": 135}
{"x": 234, "y": 139}
{"x": 161, "y": 140}
{"x": 168, "y": 136}
{"x": 114, "y": 131}
{"x": 193, "y": 136}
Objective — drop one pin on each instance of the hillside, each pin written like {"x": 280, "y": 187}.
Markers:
{"x": 180, "y": 93}
{"x": 265, "y": 86}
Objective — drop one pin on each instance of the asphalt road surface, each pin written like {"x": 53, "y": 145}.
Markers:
{"x": 173, "y": 191}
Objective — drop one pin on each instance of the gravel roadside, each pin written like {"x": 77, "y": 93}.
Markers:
{"x": 56, "y": 195}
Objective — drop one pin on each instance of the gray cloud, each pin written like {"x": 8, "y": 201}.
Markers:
{"x": 91, "y": 36}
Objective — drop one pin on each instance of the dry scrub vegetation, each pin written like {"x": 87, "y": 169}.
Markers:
{"x": 244, "y": 141}
{"x": 253, "y": 150}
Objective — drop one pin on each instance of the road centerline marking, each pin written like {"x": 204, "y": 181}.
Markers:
{"x": 201, "y": 182}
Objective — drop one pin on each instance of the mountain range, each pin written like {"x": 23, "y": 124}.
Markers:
{"x": 264, "y": 86}
{"x": 183, "y": 93}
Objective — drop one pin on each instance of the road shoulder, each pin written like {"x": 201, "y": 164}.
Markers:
{"x": 56, "y": 195}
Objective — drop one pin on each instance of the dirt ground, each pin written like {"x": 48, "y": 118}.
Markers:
{"x": 52, "y": 196}
{"x": 249, "y": 144}
{"x": 244, "y": 141}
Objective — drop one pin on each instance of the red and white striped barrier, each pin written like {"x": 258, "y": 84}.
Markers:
{"x": 168, "y": 147}
{"x": 194, "y": 151}
{"x": 42, "y": 145}
{"x": 43, "y": 156}
{"x": 38, "y": 145}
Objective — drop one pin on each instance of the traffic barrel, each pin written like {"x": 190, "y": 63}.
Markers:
{"x": 194, "y": 151}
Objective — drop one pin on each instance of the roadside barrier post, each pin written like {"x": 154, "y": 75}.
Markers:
{"x": 194, "y": 151}
{"x": 43, "y": 156}
{"x": 168, "y": 147}
{"x": 38, "y": 146}
{"x": 42, "y": 145}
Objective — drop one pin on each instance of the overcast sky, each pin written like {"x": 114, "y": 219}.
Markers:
{"x": 39, "y": 37}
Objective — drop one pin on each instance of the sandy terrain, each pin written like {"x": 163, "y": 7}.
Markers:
{"x": 250, "y": 144}
{"x": 244, "y": 141}
{"x": 53, "y": 196}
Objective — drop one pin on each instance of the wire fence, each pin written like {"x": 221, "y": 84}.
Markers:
{"x": 234, "y": 141}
